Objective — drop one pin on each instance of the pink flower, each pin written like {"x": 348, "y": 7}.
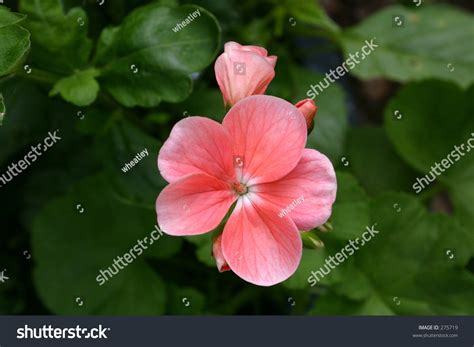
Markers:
{"x": 308, "y": 108}
{"x": 257, "y": 160}
{"x": 242, "y": 71}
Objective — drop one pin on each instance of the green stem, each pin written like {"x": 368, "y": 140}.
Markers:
{"x": 220, "y": 228}
{"x": 38, "y": 75}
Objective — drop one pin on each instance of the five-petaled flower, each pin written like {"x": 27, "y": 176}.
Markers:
{"x": 198, "y": 162}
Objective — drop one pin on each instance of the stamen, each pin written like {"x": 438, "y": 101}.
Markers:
{"x": 239, "y": 188}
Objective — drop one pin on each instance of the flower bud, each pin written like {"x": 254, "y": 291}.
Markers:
{"x": 217, "y": 253}
{"x": 308, "y": 108}
{"x": 242, "y": 71}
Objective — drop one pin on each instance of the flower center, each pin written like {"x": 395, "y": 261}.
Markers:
{"x": 239, "y": 188}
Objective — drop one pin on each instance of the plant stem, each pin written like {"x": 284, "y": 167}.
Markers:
{"x": 38, "y": 75}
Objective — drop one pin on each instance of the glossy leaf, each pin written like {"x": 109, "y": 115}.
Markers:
{"x": 351, "y": 212}
{"x": 435, "y": 135}
{"x": 59, "y": 39}
{"x": 414, "y": 44}
{"x": 14, "y": 47}
{"x": 407, "y": 267}
{"x": 375, "y": 163}
{"x": 130, "y": 158}
{"x": 148, "y": 61}
{"x": 102, "y": 229}
{"x": 9, "y": 18}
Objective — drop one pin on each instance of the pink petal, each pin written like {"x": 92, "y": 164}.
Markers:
{"x": 231, "y": 45}
{"x": 217, "y": 253}
{"x": 241, "y": 73}
{"x": 193, "y": 205}
{"x": 307, "y": 193}
{"x": 259, "y": 246}
{"x": 272, "y": 60}
{"x": 196, "y": 145}
{"x": 269, "y": 136}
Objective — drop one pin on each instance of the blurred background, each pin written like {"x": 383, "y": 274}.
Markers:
{"x": 114, "y": 78}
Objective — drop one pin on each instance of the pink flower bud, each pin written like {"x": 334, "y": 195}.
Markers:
{"x": 217, "y": 253}
{"x": 308, "y": 108}
{"x": 242, "y": 71}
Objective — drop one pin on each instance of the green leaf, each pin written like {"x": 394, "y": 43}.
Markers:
{"x": 421, "y": 47}
{"x": 71, "y": 248}
{"x": 148, "y": 62}
{"x": 256, "y": 32}
{"x": 204, "y": 102}
{"x": 59, "y": 40}
{"x": 351, "y": 213}
{"x": 13, "y": 292}
{"x": 352, "y": 282}
{"x": 373, "y": 160}
{"x": 54, "y": 172}
{"x": 420, "y": 267}
{"x": 130, "y": 158}
{"x": 167, "y": 247}
{"x": 407, "y": 267}
{"x": 3, "y": 109}
{"x": 24, "y": 126}
{"x": 185, "y": 301}
{"x": 9, "y": 18}
{"x": 333, "y": 304}
{"x": 429, "y": 132}
{"x": 104, "y": 44}
{"x": 81, "y": 88}
{"x": 203, "y": 248}
{"x": 463, "y": 196}
{"x": 311, "y": 260}
{"x": 14, "y": 46}
{"x": 311, "y": 12}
